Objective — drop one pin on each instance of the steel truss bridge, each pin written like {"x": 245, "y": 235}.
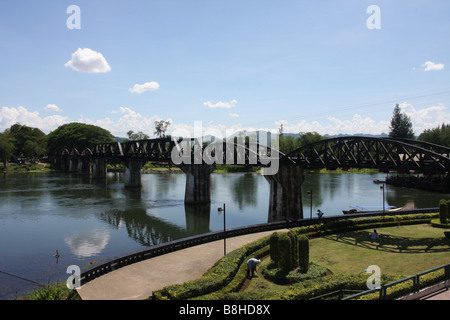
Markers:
{"x": 384, "y": 154}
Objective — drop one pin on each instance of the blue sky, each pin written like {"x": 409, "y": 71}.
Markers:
{"x": 233, "y": 65}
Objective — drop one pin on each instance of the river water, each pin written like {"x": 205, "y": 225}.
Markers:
{"x": 90, "y": 221}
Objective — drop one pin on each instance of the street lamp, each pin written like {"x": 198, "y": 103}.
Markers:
{"x": 219, "y": 211}
{"x": 310, "y": 212}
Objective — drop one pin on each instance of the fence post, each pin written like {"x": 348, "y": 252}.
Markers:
{"x": 447, "y": 275}
{"x": 416, "y": 283}
{"x": 382, "y": 292}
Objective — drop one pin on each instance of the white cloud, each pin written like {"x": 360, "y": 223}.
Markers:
{"x": 422, "y": 119}
{"x": 334, "y": 126}
{"x": 87, "y": 243}
{"x": 427, "y": 118}
{"x": 431, "y": 66}
{"x": 141, "y": 88}
{"x": 52, "y": 107}
{"x": 220, "y": 104}
{"x": 235, "y": 115}
{"x": 87, "y": 60}
{"x": 120, "y": 121}
{"x": 10, "y": 116}
{"x": 128, "y": 120}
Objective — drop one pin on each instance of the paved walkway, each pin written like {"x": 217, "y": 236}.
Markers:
{"x": 138, "y": 280}
{"x": 444, "y": 294}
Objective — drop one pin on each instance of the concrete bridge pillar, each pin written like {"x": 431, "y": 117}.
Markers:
{"x": 85, "y": 166}
{"x": 65, "y": 161}
{"x": 285, "y": 202}
{"x": 99, "y": 169}
{"x": 133, "y": 175}
{"x": 198, "y": 183}
{"x": 74, "y": 164}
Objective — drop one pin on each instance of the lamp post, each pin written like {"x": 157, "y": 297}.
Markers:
{"x": 310, "y": 209}
{"x": 224, "y": 229}
{"x": 382, "y": 188}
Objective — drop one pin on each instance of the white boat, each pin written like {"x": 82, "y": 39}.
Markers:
{"x": 369, "y": 209}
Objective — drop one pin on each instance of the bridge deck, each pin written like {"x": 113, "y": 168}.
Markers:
{"x": 138, "y": 280}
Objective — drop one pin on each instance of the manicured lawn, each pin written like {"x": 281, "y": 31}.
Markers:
{"x": 405, "y": 250}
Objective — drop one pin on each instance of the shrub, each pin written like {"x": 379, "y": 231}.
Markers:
{"x": 279, "y": 276}
{"x": 294, "y": 249}
{"x": 285, "y": 252}
{"x": 303, "y": 253}
{"x": 274, "y": 251}
{"x": 215, "y": 278}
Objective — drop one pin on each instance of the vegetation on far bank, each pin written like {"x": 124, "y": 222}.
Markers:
{"x": 23, "y": 143}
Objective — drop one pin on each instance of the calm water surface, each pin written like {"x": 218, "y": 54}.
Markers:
{"x": 90, "y": 221}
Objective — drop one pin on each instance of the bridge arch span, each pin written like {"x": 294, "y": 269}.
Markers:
{"x": 384, "y": 154}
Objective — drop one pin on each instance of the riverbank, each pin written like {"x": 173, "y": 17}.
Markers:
{"x": 434, "y": 184}
{"x": 27, "y": 168}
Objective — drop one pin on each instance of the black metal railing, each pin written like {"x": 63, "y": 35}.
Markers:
{"x": 417, "y": 290}
{"x": 180, "y": 244}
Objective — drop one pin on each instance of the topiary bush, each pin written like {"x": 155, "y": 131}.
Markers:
{"x": 285, "y": 252}
{"x": 303, "y": 253}
{"x": 294, "y": 249}
{"x": 274, "y": 251}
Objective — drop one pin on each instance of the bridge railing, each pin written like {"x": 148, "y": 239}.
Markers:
{"x": 416, "y": 290}
{"x": 180, "y": 244}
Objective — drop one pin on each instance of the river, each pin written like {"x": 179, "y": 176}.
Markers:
{"x": 90, "y": 221}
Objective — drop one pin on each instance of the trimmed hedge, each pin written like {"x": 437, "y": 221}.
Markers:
{"x": 275, "y": 274}
{"x": 226, "y": 269}
{"x": 274, "y": 250}
{"x": 303, "y": 253}
{"x": 217, "y": 277}
{"x": 285, "y": 259}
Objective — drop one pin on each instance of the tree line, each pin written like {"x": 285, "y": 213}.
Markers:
{"x": 23, "y": 142}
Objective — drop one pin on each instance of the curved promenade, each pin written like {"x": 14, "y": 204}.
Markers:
{"x": 138, "y": 280}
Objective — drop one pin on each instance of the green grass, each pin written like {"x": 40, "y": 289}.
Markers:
{"x": 55, "y": 291}
{"x": 405, "y": 250}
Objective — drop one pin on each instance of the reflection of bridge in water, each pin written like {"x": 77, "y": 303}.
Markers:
{"x": 285, "y": 173}
{"x": 149, "y": 230}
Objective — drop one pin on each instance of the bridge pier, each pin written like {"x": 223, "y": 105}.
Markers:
{"x": 198, "y": 183}
{"x": 74, "y": 164}
{"x": 285, "y": 202}
{"x": 133, "y": 175}
{"x": 99, "y": 169}
{"x": 85, "y": 166}
{"x": 65, "y": 161}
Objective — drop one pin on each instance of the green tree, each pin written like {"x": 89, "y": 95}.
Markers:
{"x": 137, "y": 136}
{"x": 401, "y": 125}
{"x": 6, "y": 148}
{"x": 439, "y": 135}
{"x": 29, "y": 142}
{"x": 161, "y": 128}
{"x": 289, "y": 143}
{"x": 77, "y": 136}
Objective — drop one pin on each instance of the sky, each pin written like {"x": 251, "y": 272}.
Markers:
{"x": 329, "y": 66}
